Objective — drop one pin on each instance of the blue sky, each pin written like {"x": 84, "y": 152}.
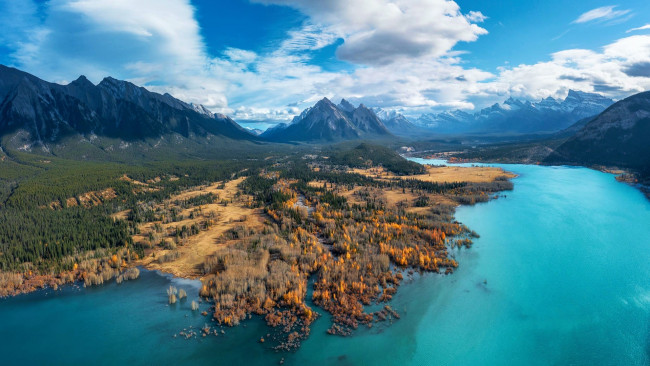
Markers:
{"x": 529, "y": 31}
{"x": 265, "y": 60}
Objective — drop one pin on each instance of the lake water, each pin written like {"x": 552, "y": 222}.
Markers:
{"x": 560, "y": 276}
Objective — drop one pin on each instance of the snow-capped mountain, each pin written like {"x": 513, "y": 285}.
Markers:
{"x": 396, "y": 123}
{"x": 517, "y": 116}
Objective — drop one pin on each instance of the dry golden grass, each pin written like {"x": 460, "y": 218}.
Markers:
{"x": 126, "y": 178}
{"x": 391, "y": 197}
{"x": 349, "y": 194}
{"x": 205, "y": 243}
{"x": 446, "y": 174}
{"x": 395, "y": 197}
{"x": 88, "y": 199}
{"x": 96, "y": 198}
{"x": 316, "y": 183}
{"x": 141, "y": 186}
{"x": 122, "y": 215}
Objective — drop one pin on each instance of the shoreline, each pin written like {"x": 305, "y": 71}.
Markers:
{"x": 621, "y": 175}
{"x": 29, "y": 283}
{"x": 79, "y": 284}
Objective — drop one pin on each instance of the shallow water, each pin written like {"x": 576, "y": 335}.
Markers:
{"x": 560, "y": 276}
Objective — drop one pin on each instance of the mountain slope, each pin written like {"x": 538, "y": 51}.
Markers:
{"x": 44, "y": 113}
{"x": 327, "y": 122}
{"x": 620, "y": 136}
{"x": 367, "y": 122}
{"x": 516, "y": 116}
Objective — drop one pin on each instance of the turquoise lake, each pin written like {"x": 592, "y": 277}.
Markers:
{"x": 560, "y": 276}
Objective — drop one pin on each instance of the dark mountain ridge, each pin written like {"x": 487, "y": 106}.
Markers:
{"x": 48, "y": 112}
{"x": 620, "y": 136}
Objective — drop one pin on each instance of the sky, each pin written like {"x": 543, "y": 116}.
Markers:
{"x": 266, "y": 60}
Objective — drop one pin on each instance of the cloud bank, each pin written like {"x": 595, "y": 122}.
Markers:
{"x": 400, "y": 55}
{"x": 378, "y": 32}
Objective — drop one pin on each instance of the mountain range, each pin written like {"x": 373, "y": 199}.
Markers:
{"x": 328, "y": 122}
{"x": 517, "y": 116}
{"x": 34, "y": 113}
{"x": 84, "y": 118}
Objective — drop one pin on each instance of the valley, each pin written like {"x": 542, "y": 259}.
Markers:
{"x": 318, "y": 221}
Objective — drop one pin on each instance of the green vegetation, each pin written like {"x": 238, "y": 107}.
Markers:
{"x": 323, "y": 223}
{"x": 366, "y": 155}
{"x": 45, "y": 219}
{"x": 43, "y": 237}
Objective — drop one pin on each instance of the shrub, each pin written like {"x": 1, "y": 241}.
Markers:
{"x": 169, "y": 256}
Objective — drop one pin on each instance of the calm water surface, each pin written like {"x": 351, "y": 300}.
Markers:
{"x": 560, "y": 276}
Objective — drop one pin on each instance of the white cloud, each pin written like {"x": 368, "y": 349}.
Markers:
{"x": 406, "y": 50}
{"x": 384, "y": 31}
{"x": 647, "y": 26}
{"x": 615, "y": 71}
{"x": 172, "y": 22}
{"x": 309, "y": 37}
{"x": 147, "y": 41}
{"x": 158, "y": 44}
{"x": 475, "y": 16}
{"x": 602, "y": 13}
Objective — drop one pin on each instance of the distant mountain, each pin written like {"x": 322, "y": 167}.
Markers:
{"x": 255, "y": 131}
{"x": 397, "y": 124}
{"x": 326, "y": 122}
{"x": 516, "y": 116}
{"x": 620, "y": 136}
{"x": 44, "y": 113}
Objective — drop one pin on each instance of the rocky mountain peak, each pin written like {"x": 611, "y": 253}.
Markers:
{"x": 82, "y": 81}
{"x": 346, "y": 106}
{"x": 201, "y": 109}
{"x": 325, "y": 103}
{"x": 328, "y": 122}
{"x": 120, "y": 88}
